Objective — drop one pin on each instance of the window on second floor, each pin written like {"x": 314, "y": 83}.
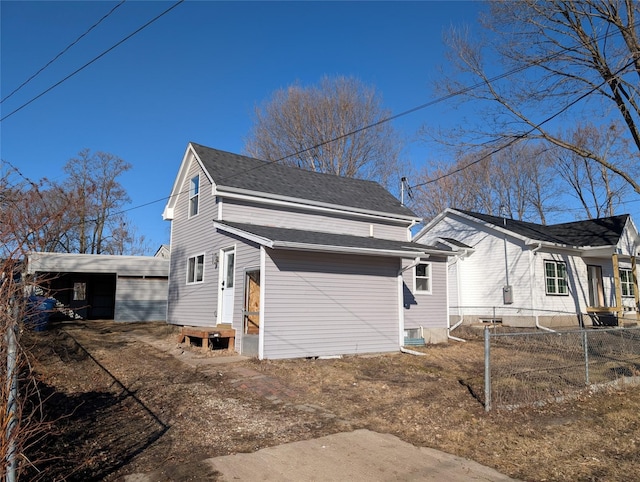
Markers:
{"x": 194, "y": 191}
{"x": 423, "y": 278}
{"x": 555, "y": 273}
{"x": 626, "y": 282}
{"x": 195, "y": 269}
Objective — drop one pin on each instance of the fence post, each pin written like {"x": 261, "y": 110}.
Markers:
{"x": 487, "y": 371}
{"x": 585, "y": 348}
{"x": 12, "y": 391}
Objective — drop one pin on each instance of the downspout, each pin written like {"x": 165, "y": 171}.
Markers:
{"x": 450, "y": 328}
{"x": 531, "y": 284}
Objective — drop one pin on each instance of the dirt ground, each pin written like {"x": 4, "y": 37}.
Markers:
{"x": 125, "y": 398}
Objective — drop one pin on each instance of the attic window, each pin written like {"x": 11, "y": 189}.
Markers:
{"x": 194, "y": 191}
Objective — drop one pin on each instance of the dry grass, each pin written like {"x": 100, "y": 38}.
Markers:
{"x": 144, "y": 407}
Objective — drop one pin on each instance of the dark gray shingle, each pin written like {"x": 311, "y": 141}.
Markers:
{"x": 234, "y": 170}
{"x": 592, "y": 232}
{"x": 326, "y": 239}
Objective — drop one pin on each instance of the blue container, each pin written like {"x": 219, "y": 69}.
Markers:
{"x": 38, "y": 311}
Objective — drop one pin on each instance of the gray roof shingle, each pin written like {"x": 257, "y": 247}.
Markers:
{"x": 591, "y": 232}
{"x": 233, "y": 170}
{"x": 328, "y": 239}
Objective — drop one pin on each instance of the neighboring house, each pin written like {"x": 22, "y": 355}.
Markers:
{"x": 164, "y": 252}
{"x": 97, "y": 286}
{"x": 527, "y": 274}
{"x": 300, "y": 264}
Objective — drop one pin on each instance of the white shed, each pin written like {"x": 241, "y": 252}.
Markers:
{"x": 96, "y": 286}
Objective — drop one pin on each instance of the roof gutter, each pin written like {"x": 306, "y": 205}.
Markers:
{"x": 346, "y": 249}
{"x": 539, "y": 244}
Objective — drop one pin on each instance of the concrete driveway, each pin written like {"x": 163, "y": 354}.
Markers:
{"x": 355, "y": 456}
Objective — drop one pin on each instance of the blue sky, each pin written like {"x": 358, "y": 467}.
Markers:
{"x": 197, "y": 73}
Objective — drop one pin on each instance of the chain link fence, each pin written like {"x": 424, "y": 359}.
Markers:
{"x": 534, "y": 368}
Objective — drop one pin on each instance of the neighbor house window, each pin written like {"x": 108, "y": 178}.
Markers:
{"x": 195, "y": 269}
{"x": 626, "y": 282}
{"x": 194, "y": 191}
{"x": 555, "y": 273}
{"x": 423, "y": 278}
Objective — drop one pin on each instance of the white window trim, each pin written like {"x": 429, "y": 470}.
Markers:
{"x": 195, "y": 271}
{"x": 191, "y": 196}
{"x": 630, "y": 285}
{"x": 566, "y": 278}
{"x": 429, "y": 277}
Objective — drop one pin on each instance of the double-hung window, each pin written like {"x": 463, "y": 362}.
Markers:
{"x": 195, "y": 269}
{"x": 423, "y": 278}
{"x": 194, "y": 191}
{"x": 555, "y": 273}
{"x": 626, "y": 282}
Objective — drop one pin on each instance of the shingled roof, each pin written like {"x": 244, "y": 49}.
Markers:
{"x": 285, "y": 237}
{"x": 592, "y": 232}
{"x": 272, "y": 178}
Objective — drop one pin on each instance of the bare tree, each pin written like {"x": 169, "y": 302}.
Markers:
{"x": 563, "y": 56}
{"x": 79, "y": 214}
{"x": 516, "y": 182}
{"x": 93, "y": 183}
{"x": 297, "y": 123}
{"x": 596, "y": 188}
{"x": 21, "y": 418}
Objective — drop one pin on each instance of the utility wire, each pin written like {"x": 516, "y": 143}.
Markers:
{"x": 63, "y": 51}
{"x": 515, "y": 138}
{"x": 462, "y": 91}
{"x": 382, "y": 121}
{"x": 93, "y": 60}
{"x": 519, "y": 137}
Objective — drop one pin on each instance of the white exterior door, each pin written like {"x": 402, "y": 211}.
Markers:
{"x": 227, "y": 287}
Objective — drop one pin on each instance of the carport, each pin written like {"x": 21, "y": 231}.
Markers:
{"x": 109, "y": 287}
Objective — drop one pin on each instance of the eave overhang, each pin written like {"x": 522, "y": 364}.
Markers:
{"x": 270, "y": 242}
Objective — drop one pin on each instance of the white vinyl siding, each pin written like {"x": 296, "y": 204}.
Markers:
{"x": 323, "y": 305}
{"x": 483, "y": 273}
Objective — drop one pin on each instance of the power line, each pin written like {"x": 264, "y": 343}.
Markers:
{"x": 377, "y": 123}
{"x": 515, "y": 138}
{"x": 462, "y": 91}
{"x": 93, "y": 60}
{"x": 63, "y": 51}
{"x": 524, "y": 135}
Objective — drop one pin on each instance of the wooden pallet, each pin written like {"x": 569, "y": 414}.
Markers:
{"x": 206, "y": 334}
